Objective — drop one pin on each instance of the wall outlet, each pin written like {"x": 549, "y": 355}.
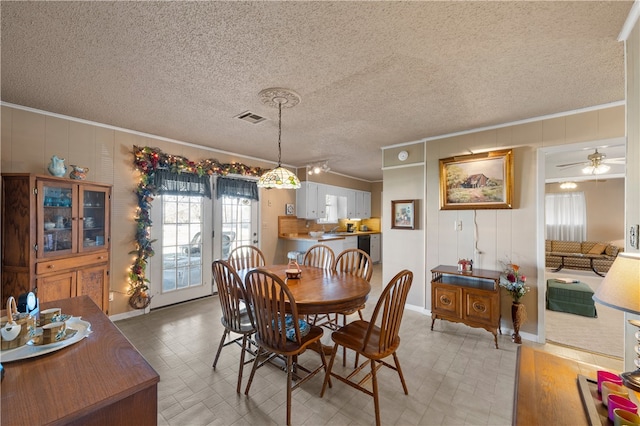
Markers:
{"x": 110, "y": 296}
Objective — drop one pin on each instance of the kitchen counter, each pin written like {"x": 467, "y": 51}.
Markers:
{"x": 326, "y": 237}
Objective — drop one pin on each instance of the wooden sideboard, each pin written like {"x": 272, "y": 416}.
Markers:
{"x": 472, "y": 298}
{"x": 547, "y": 390}
{"x": 100, "y": 380}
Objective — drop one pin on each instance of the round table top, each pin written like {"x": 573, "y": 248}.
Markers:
{"x": 322, "y": 291}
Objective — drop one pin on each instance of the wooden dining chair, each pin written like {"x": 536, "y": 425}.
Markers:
{"x": 236, "y": 314}
{"x": 244, "y": 257}
{"x": 320, "y": 256}
{"x": 374, "y": 342}
{"x": 271, "y": 300}
{"x": 358, "y": 263}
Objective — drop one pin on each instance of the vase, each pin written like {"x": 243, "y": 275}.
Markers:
{"x": 518, "y": 316}
{"x": 57, "y": 167}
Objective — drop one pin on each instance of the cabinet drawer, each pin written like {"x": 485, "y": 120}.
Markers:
{"x": 71, "y": 262}
{"x": 447, "y": 300}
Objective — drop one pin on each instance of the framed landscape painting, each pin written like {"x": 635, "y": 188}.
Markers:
{"x": 477, "y": 181}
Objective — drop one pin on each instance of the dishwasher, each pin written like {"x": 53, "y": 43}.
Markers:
{"x": 364, "y": 243}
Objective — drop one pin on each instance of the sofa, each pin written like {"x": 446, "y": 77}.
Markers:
{"x": 588, "y": 255}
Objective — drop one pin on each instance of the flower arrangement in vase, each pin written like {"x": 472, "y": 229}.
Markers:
{"x": 515, "y": 284}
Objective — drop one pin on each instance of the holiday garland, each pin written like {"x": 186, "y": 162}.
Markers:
{"x": 147, "y": 160}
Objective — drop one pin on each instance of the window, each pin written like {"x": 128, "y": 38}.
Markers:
{"x": 566, "y": 216}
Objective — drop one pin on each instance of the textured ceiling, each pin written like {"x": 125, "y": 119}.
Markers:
{"x": 370, "y": 74}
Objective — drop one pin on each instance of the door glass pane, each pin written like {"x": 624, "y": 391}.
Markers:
{"x": 57, "y": 218}
{"x": 181, "y": 242}
{"x": 237, "y": 229}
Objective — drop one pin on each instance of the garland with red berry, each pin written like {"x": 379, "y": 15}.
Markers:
{"x": 147, "y": 160}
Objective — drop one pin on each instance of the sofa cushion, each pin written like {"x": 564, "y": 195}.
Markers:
{"x": 612, "y": 250}
{"x": 565, "y": 246}
{"x": 598, "y": 248}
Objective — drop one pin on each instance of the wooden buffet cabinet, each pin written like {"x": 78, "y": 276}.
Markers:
{"x": 99, "y": 380}
{"x": 472, "y": 298}
{"x": 55, "y": 238}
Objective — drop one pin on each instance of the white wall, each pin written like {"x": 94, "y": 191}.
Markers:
{"x": 404, "y": 248}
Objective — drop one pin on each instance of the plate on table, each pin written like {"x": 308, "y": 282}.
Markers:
{"x": 77, "y": 329}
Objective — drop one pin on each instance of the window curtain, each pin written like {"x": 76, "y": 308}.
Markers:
{"x": 566, "y": 216}
{"x": 238, "y": 188}
{"x": 170, "y": 183}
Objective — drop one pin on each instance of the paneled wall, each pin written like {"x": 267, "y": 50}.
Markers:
{"x": 30, "y": 138}
{"x": 487, "y": 236}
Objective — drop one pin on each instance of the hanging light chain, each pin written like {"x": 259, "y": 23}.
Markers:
{"x": 279, "y": 132}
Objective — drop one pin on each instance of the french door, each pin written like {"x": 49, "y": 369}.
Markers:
{"x": 236, "y": 222}
{"x": 180, "y": 270}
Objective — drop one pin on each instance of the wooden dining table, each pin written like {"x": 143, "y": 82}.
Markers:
{"x": 321, "y": 291}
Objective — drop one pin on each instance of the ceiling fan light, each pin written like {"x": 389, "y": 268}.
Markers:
{"x": 596, "y": 170}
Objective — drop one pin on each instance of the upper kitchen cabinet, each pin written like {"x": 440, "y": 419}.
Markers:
{"x": 307, "y": 200}
{"x": 55, "y": 237}
{"x": 330, "y": 203}
{"x": 363, "y": 205}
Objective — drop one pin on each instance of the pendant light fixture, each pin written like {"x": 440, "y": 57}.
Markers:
{"x": 279, "y": 178}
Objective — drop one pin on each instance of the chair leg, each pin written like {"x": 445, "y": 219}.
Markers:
{"x": 327, "y": 374}
{"x": 374, "y": 386}
{"x": 289, "y": 380}
{"x": 253, "y": 370}
{"x": 242, "y": 352}
{"x": 397, "y": 361}
{"x": 224, "y": 336}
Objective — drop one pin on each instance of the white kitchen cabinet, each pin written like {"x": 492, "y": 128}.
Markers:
{"x": 376, "y": 248}
{"x": 349, "y": 243}
{"x": 367, "y": 205}
{"x": 351, "y": 202}
{"x": 307, "y": 200}
{"x": 311, "y": 199}
{"x": 363, "y": 204}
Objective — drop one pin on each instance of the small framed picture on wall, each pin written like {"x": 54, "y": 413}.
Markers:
{"x": 403, "y": 214}
{"x": 290, "y": 209}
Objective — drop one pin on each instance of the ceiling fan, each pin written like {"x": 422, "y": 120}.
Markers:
{"x": 596, "y": 163}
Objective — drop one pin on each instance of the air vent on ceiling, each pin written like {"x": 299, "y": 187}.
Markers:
{"x": 250, "y": 117}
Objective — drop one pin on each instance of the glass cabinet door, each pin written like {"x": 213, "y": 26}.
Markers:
{"x": 56, "y": 220}
{"x": 94, "y": 221}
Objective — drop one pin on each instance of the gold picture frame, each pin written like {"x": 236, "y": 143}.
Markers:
{"x": 403, "y": 214}
{"x": 477, "y": 181}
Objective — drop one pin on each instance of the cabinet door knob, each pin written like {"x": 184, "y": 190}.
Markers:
{"x": 51, "y": 266}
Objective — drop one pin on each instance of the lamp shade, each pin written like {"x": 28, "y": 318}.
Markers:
{"x": 279, "y": 178}
{"x": 620, "y": 288}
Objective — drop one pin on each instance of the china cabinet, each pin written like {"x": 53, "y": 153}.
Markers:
{"x": 472, "y": 298}
{"x": 55, "y": 237}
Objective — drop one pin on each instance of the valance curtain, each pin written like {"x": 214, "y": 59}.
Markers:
{"x": 238, "y": 188}
{"x": 188, "y": 184}
{"x": 566, "y": 216}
